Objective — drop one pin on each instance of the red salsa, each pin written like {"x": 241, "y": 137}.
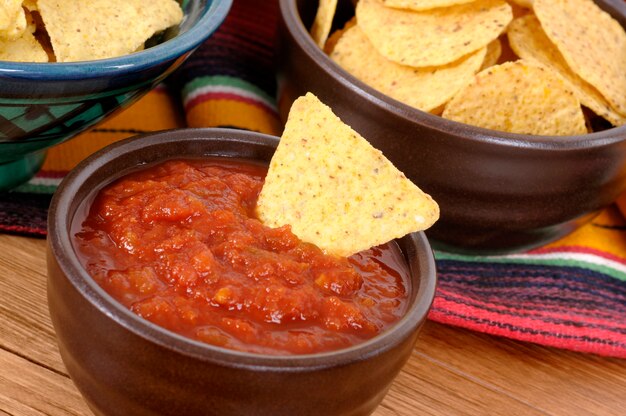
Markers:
{"x": 179, "y": 244}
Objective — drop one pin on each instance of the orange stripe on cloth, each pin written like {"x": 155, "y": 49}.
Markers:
{"x": 233, "y": 113}
{"x": 157, "y": 110}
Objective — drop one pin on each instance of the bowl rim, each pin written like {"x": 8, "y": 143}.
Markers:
{"x": 212, "y": 17}
{"x": 60, "y": 246}
{"x": 295, "y": 26}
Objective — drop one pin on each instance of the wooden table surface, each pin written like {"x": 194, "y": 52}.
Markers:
{"x": 452, "y": 371}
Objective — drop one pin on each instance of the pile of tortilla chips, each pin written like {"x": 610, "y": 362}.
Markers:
{"x": 334, "y": 189}
{"x": 80, "y": 30}
{"x": 521, "y": 66}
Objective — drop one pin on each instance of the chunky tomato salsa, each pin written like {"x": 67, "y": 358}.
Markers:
{"x": 179, "y": 244}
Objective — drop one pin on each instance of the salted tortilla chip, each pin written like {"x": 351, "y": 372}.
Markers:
{"x": 592, "y": 43}
{"x": 98, "y": 29}
{"x": 519, "y": 97}
{"x": 433, "y": 37}
{"x": 23, "y": 49}
{"x": 332, "y": 40}
{"x": 530, "y": 42}
{"x": 494, "y": 50}
{"x": 423, "y": 88}
{"x": 334, "y": 189}
{"x": 527, "y": 4}
{"x": 12, "y": 19}
{"x": 422, "y": 4}
{"x": 323, "y": 21}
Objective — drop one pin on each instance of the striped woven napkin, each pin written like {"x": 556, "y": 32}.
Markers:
{"x": 569, "y": 294}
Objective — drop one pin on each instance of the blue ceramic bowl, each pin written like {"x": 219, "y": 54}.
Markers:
{"x": 43, "y": 104}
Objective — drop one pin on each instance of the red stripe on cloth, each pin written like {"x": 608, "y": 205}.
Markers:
{"x": 590, "y": 340}
{"x": 228, "y": 96}
{"x": 524, "y": 310}
{"x": 22, "y": 230}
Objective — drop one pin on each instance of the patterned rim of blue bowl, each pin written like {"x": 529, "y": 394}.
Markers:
{"x": 210, "y": 20}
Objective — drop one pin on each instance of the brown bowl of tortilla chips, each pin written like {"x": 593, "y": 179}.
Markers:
{"x": 510, "y": 114}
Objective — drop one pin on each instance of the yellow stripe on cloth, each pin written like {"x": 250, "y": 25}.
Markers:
{"x": 605, "y": 233}
{"x": 233, "y": 113}
{"x": 157, "y": 110}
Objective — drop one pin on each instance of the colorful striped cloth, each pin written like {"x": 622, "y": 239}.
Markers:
{"x": 230, "y": 80}
{"x": 569, "y": 294}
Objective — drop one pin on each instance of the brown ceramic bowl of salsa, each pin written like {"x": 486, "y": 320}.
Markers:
{"x": 151, "y": 318}
{"x": 497, "y": 191}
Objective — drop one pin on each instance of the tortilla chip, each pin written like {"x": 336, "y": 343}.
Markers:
{"x": 98, "y": 29}
{"x": 530, "y": 42}
{"x": 434, "y": 37}
{"x": 420, "y": 5}
{"x": 592, "y": 43}
{"x": 494, "y": 50}
{"x": 422, "y": 88}
{"x": 527, "y": 4}
{"x": 334, "y": 189}
{"x": 323, "y": 21}
{"x": 12, "y": 19}
{"x": 332, "y": 40}
{"x": 23, "y": 49}
{"x": 519, "y": 97}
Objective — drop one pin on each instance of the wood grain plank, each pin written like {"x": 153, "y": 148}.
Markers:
{"x": 452, "y": 371}
{"x": 24, "y": 309}
{"x": 555, "y": 381}
{"x": 28, "y": 389}
{"x": 428, "y": 388}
